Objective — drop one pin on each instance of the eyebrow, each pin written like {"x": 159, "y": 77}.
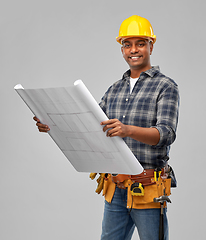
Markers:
{"x": 140, "y": 40}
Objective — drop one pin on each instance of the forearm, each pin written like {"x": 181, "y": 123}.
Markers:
{"x": 150, "y": 136}
{"x": 114, "y": 127}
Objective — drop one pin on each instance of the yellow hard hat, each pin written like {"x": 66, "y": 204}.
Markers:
{"x": 136, "y": 26}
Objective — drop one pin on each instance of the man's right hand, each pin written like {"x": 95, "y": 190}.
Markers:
{"x": 41, "y": 127}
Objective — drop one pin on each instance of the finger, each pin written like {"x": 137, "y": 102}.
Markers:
{"x": 110, "y": 121}
{"x": 112, "y": 132}
{"x": 36, "y": 119}
{"x": 42, "y": 130}
{"x": 42, "y": 127}
{"x": 109, "y": 126}
{"x": 105, "y": 122}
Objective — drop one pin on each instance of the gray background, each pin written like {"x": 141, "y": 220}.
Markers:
{"x": 53, "y": 43}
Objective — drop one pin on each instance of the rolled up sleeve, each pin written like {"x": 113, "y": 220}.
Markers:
{"x": 167, "y": 115}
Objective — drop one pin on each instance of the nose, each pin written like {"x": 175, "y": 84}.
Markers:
{"x": 134, "y": 49}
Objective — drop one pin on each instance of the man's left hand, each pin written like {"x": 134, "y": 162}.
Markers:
{"x": 115, "y": 128}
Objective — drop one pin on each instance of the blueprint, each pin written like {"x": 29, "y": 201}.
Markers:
{"x": 74, "y": 119}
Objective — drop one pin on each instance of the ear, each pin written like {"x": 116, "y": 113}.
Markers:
{"x": 122, "y": 49}
{"x": 151, "y": 48}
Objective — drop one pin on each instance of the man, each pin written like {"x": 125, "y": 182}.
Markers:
{"x": 142, "y": 108}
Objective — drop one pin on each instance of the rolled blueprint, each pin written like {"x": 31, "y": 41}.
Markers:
{"x": 74, "y": 119}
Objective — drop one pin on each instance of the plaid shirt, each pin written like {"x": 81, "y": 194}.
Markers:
{"x": 154, "y": 102}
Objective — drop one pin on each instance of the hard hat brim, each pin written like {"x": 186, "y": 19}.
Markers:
{"x": 119, "y": 39}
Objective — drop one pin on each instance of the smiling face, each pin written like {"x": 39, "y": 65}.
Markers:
{"x": 136, "y": 51}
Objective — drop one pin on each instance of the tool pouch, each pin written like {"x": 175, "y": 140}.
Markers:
{"x": 150, "y": 192}
{"x": 108, "y": 188}
{"x": 171, "y": 175}
{"x": 100, "y": 181}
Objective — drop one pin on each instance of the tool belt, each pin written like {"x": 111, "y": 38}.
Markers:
{"x": 147, "y": 177}
{"x": 141, "y": 189}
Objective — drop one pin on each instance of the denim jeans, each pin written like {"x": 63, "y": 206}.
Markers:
{"x": 119, "y": 222}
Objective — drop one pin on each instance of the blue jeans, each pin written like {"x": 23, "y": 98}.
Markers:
{"x": 119, "y": 223}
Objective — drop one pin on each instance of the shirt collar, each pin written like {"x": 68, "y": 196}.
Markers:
{"x": 151, "y": 72}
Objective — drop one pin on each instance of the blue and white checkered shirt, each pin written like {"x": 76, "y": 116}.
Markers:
{"x": 154, "y": 102}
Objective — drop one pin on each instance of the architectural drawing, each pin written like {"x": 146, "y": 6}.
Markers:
{"x": 74, "y": 119}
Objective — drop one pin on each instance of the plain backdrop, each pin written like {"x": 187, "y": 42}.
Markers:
{"x": 52, "y": 44}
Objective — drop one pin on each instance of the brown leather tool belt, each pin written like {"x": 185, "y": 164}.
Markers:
{"x": 146, "y": 177}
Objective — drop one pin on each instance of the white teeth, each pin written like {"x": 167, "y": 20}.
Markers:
{"x": 135, "y": 58}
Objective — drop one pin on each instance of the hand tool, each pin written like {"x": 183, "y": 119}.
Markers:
{"x": 162, "y": 200}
